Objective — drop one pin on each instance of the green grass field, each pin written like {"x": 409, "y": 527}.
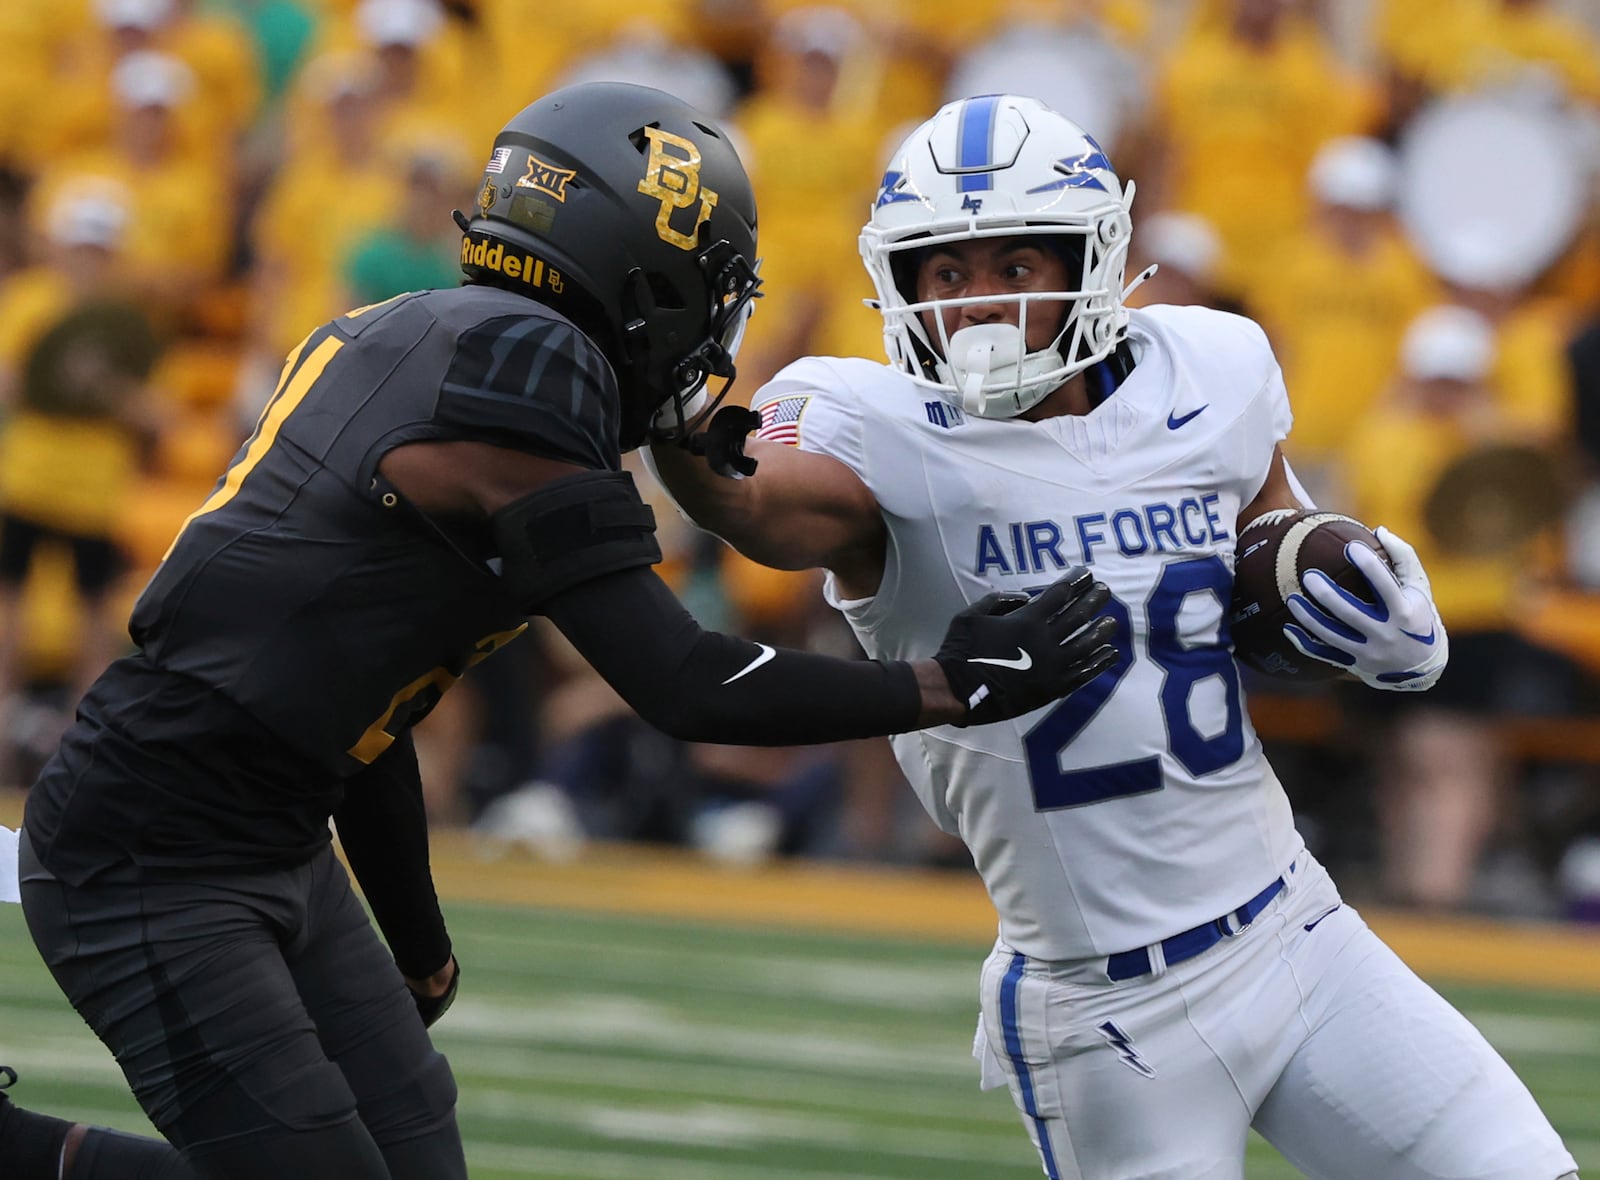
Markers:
{"x": 599, "y": 1047}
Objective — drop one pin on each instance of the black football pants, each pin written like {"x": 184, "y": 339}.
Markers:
{"x": 260, "y": 1021}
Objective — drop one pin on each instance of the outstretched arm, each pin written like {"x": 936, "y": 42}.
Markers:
{"x": 1002, "y": 656}
{"x": 798, "y": 511}
{"x": 577, "y": 546}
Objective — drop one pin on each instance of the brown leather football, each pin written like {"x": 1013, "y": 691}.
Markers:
{"x": 1273, "y": 554}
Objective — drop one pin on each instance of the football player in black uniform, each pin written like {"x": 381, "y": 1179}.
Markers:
{"x": 431, "y": 471}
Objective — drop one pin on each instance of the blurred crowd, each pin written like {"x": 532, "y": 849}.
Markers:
{"x": 1404, "y": 193}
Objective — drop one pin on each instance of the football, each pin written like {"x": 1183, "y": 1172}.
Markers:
{"x": 1274, "y": 552}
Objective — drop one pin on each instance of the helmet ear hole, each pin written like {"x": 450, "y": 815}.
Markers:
{"x": 665, "y": 292}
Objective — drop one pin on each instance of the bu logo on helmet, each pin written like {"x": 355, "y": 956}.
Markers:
{"x": 674, "y": 180}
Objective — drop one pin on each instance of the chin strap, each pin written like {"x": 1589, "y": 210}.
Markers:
{"x": 722, "y": 442}
{"x": 1139, "y": 280}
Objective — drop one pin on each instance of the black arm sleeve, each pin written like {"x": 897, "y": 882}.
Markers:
{"x": 700, "y": 685}
{"x": 383, "y": 828}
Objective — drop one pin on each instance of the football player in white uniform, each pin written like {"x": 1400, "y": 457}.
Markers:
{"x": 1173, "y": 967}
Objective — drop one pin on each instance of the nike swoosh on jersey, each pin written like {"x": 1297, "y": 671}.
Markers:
{"x": 1174, "y": 421}
{"x": 1022, "y": 663}
{"x": 1315, "y": 921}
{"x": 762, "y": 657}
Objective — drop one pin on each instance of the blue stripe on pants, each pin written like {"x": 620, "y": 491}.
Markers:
{"x": 1009, "y": 988}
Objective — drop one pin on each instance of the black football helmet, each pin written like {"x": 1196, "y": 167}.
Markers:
{"x": 629, "y": 212}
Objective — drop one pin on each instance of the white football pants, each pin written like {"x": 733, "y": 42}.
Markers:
{"x": 1304, "y": 1026}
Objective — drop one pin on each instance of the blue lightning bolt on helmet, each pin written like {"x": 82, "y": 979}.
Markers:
{"x": 1000, "y": 166}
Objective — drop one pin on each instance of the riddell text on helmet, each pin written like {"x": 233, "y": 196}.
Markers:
{"x": 487, "y": 255}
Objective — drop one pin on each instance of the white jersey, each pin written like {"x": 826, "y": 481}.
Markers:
{"x": 1142, "y": 805}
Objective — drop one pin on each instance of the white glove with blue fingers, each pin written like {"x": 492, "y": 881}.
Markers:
{"x": 1399, "y": 644}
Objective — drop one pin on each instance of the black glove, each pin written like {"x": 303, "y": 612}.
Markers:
{"x": 722, "y": 441}
{"x": 430, "y": 1008}
{"x": 1007, "y": 654}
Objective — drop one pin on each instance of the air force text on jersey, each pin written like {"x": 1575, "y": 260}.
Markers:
{"x": 1035, "y": 546}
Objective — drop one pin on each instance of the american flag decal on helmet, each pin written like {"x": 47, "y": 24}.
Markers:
{"x": 780, "y": 420}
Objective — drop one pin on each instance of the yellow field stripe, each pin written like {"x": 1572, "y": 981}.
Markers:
{"x": 947, "y": 907}
{"x": 272, "y": 418}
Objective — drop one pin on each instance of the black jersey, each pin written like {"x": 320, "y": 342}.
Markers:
{"x": 306, "y": 615}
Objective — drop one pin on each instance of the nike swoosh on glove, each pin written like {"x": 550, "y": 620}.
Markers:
{"x": 1399, "y": 645}
{"x": 1008, "y": 654}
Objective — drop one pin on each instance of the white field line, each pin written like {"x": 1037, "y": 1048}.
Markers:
{"x": 859, "y": 982}
{"x": 535, "y": 1161}
{"x": 86, "y": 1062}
{"x": 1537, "y": 1035}
{"x": 639, "y": 1023}
{"x": 619, "y": 1070}
{"x": 708, "y": 1124}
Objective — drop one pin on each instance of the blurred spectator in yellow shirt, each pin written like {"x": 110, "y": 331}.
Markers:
{"x": 181, "y": 220}
{"x": 213, "y": 43}
{"x": 1243, "y": 104}
{"x": 650, "y": 51}
{"x": 913, "y": 44}
{"x": 1452, "y": 45}
{"x": 83, "y": 119}
{"x": 427, "y": 58}
{"x": 509, "y": 69}
{"x": 1531, "y": 36}
{"x": 75, "y": 350}
{"x": 225, "y": 78}
{"x": 1070, "y": 56}
{"x": 1530, "y": 370}
{"x": 1420, "y": 46}
{"x": 811, "y": 142}
{"x": 1439, "y": 785}
{"x": 1335, "y": 301}
{"x": 331, "y": 189}
{"x": 42, "y": 39}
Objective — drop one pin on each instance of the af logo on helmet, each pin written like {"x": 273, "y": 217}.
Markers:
{"x": 674, "y": 180}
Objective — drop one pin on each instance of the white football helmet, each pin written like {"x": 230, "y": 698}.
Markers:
{"x": 1000, "y": 166}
